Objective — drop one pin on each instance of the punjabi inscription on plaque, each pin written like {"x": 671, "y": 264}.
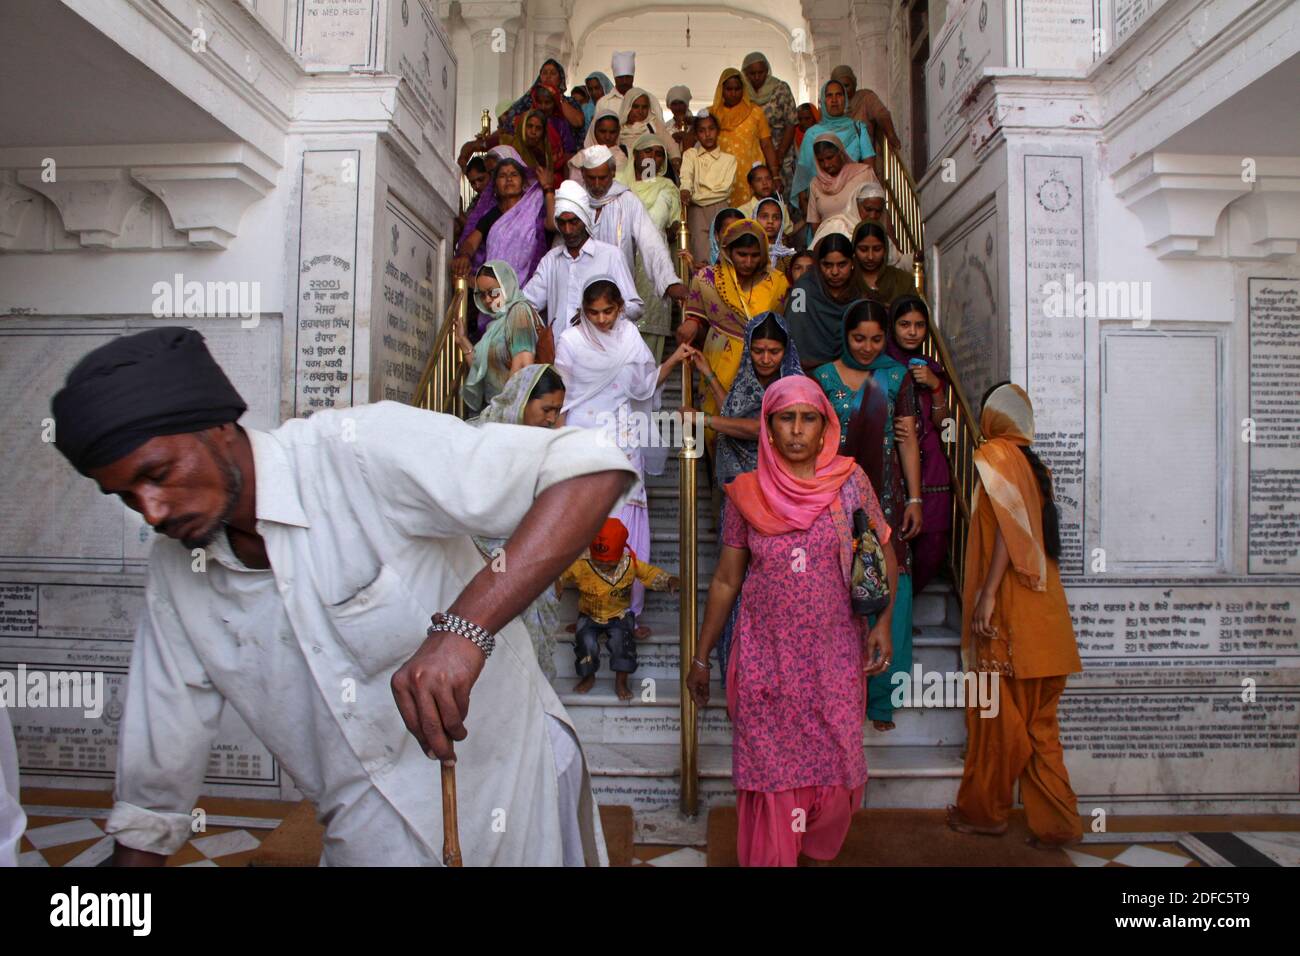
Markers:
{"x": 1056, "y": 342}
{"x": 1274, "y": 454}
{"x": 327, "y": 253}
{"x": 411, "y": 269}
{"x": 968, "y": 267}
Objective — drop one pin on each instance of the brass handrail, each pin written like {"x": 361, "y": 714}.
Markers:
{"x": 439, "y": 388}
{"x": 687, "y": 613}
{"x": 961, "y": 436}
{"x": 688, "y": 547}
{"x": 902, "y": 203}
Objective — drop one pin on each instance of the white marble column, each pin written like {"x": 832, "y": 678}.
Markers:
{"x": 493, "y": 72}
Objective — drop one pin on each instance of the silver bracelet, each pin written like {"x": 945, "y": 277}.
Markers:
{"x": 700, "y": 663}
{"x": 478, "y": 636}
{"x": 916, "y": 501}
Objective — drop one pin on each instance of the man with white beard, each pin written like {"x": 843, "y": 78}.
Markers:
{"x": 620, "y": 219}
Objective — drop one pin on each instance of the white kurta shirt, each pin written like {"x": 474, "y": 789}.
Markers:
{"x": 12, "y": 819}
{"x": 366, "y": 514}
{"x": 624, "y": 222}
{"x": 556, "y": 285}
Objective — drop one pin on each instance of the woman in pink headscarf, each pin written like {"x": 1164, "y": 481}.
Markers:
{"x": 796, "y": 674}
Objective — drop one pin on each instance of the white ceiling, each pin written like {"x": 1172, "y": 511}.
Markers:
{"x": 63, "y": 83}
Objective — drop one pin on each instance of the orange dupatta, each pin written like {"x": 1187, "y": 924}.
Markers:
{"x": 1007, "y": 421}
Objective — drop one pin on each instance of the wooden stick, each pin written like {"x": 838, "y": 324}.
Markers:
{"x": 450, "y": 827}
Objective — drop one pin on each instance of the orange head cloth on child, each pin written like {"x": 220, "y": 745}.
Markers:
{"x": 609, "y": 541}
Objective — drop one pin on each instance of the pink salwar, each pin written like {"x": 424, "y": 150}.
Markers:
{"x": 774, "y": 828}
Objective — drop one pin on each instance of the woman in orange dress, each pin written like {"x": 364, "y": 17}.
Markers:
{"x": 1017, "y": 635}
{"x": 744, "y": 132}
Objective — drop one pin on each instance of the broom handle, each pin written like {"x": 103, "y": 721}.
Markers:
{"x": 450, "y": 827}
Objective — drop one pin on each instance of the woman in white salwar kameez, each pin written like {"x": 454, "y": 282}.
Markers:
{"x": 612, "y": 382}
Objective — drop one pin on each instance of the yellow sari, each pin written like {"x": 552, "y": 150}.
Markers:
{"x": 741, "y": 129}
{"x": 716, "y": 299}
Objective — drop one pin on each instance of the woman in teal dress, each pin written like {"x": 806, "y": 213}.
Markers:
{"x": 874, "y": 398}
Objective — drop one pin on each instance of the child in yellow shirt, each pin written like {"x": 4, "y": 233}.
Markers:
{"x": 604, "y": 579}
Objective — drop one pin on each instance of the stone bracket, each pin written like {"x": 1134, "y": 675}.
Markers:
{"x": 205, "y": 189}
{"x": 205, "y": 201}
{"x": 1179, "y": 199}
{"x": 93, "y": 202}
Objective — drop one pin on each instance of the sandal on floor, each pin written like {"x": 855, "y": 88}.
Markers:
{"x": 955, "y": 822}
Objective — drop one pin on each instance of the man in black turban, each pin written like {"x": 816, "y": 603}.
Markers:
{"x": 328, "y": 543}
{"x": 151, "y": 417}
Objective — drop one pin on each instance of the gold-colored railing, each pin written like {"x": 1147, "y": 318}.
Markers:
{"x": 961, "y": 435}
{"x": 439, "y": 388}
{"x": 902, "y": 204}
{"x": 960, "y": 432}
{"x": 688, "y": 538}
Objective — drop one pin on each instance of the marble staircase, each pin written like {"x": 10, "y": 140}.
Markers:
{"x": 633, "y": 746}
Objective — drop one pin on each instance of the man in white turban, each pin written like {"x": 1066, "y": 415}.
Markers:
{"x": 623, "y": 67}
{"x": 620, "y": 219}
{"x": 556, "y": 287}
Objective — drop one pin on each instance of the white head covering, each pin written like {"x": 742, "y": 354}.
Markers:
{"x": 590, "y": 361}
{"x": 678, "y": 93}
{"x": 572, "y": 197}
{"x": 872, "y": 190}
{"x": 624, "y": 63}
{"x": 840, "y": 224}
{"x": 594, "y": 156}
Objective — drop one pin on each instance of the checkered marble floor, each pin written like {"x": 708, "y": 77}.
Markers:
{"x": 1217, "y": 849}
{"x": 644, "y": 854}
{"x": 76, "y": 837}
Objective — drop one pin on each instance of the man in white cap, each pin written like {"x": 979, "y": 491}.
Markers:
{"x": 624, "y": 69}
{"x": 620, "y": 219}
{"x": 556, "y": 286}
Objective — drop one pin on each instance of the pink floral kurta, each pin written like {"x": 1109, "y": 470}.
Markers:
{"x": 794, "y": 683}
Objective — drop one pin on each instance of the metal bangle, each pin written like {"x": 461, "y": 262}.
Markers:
{"x": 700, "y": 663}
{"x": 916, "y": 501}
{"x": 450, "y": 623}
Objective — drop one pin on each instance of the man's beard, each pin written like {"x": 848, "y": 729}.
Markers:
{"x": 234, "y": 483}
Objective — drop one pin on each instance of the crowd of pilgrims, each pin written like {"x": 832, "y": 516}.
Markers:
{"x": 814, "y": 395}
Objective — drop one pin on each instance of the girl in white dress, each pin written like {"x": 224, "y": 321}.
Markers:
{"x": 612, "y": 382}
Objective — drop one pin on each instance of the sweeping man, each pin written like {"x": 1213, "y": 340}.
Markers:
{"x": 341, "y": 608}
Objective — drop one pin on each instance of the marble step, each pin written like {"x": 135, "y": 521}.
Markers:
{"x": 626, "y": 725}
{"x": 662, "y": 608}
{"x": 645, "y": 776}
{"x": 659, "y": 654}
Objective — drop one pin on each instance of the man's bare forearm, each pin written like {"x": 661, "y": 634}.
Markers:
{"x": 560, "y": 524}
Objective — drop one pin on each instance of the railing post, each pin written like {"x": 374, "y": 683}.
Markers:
{"x": 689, "y": 591}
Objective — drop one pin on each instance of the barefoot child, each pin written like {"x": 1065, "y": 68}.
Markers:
{"x": 604, "y": 579}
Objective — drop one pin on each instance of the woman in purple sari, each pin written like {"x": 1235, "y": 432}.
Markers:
{"x": 509, "y": 220}
{"x": 909, "y": 322}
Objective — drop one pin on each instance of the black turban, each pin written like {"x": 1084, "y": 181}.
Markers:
{"x": 137, "y": 387}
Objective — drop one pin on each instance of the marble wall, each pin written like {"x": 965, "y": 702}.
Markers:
{"x": 1165, "y": 389}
